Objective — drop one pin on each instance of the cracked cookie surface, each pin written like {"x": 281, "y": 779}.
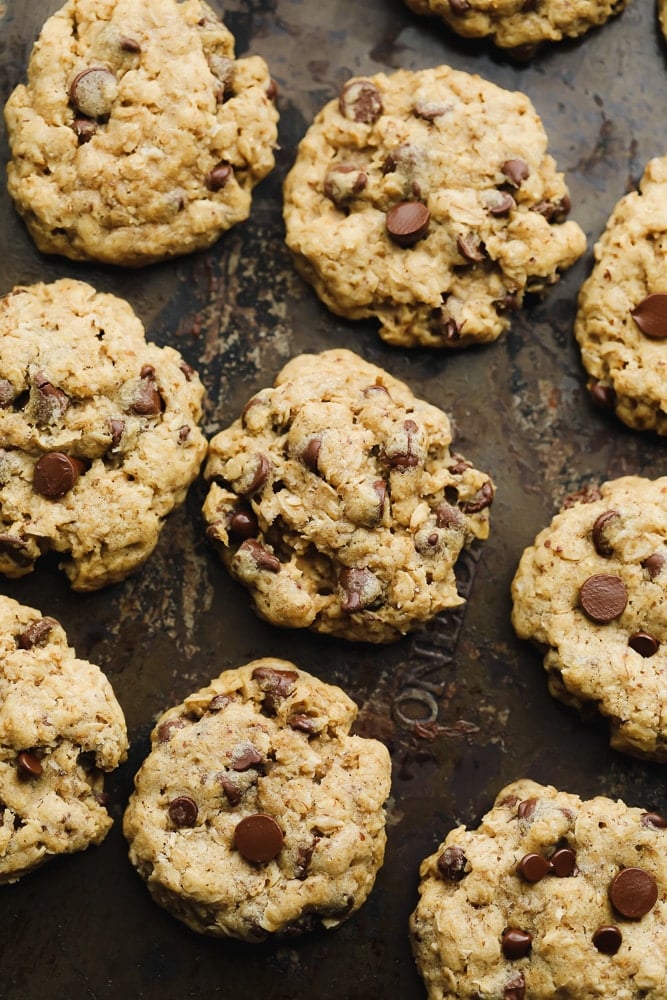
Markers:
{"x": 256, "y": 813}
{"x": 551, "y": 895}
{"x": 590, "y": 592}
{"x": 336, "y": 501}
{"x": 428, "y": 200}
{"x": 61, "y": 728}
{"x": 98, "y": 429}
{"x": 139, "y": 136}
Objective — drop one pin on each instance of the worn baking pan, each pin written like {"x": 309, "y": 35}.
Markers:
{"x": 84, "y": 926}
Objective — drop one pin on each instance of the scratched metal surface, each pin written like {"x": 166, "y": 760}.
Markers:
{"x": 84, "y": 926}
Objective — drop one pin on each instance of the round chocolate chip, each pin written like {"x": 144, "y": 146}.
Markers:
{"x": 650, "y": 315}
{"x": 644, "y": 644}
{"x": 183, "y": 811}
{"x": 600, "y": 532}
{"x": 244, "y": 524}
{"x": 654, "y": 820}
{"x": 633, "y": 892}
{"x": 258, "y": 838}
{"x": 533, "y": 867}
{"x": 28, "y": 765}
{"x": 516, "y": 943}
{"x": 603, "y": 598}
{"x": 94, "y": 91}
{"x": 407, "y": 222}
{"x": 563, "y": 862}
{"x": 55, "y": 474}
{"x": 361, "y": 101}
{"x": 452, "y": 864}
{"x": 607, "y": 939}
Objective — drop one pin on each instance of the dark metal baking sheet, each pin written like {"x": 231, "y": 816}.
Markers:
{"x": 84, "y": 926}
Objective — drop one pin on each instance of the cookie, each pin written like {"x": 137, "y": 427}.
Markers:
{"x": 551, "y": 896}
{"x": 138, "y": 136}
{"x": 591, "y": 593}
{"x": 428, "y": 200}
{"x": 98, "y": 431}
{"x": 256, "y": 813}
{"x": 336, "y": 501}
{"x": 61, "y": 728}
{"x": 662, "y": 15}
{"x": 520, "y": 26}
{"x": 621, "y": 322}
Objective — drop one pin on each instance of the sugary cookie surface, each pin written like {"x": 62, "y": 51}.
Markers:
{"x": 98, "y": 433}
{"x": 621, "y": 323}
{"x": 138, "y": 136}
{"x": 336, "y": 501}
{"x": 591, "y": 593}
{"x": 61, "y": 728}
{"x": 256, "y": 813}
{"x": 517, "y": 24}
{"x": 550, "y": 896}
{"x": 427, "y": 199}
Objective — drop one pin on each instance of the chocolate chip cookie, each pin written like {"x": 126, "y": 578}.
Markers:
{"x": 139, "y": 135}
{"x": 256, "y": 813}
{"x": 522, "y": 26}
{"x": 61, "y": 728}
{"x": 621, "y": 323}
{"x": 98, "y": 433}
{"x": 591, "y": 592}
{"x": 335, "y": 499}
{"x": 427, "y": 199}
{"x": 551, "y": 896}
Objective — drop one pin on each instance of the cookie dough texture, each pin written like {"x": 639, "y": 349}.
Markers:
{"x": 627, "y": 370}
{"x": 470, "y": 160}
{"x": 514, "y": 24}
{"x": 336, "y": 501}
{"x": 473, "y": 891}
{"x": 662, "y": 14}
{"x": 98, "y": 433}
{"x": 616, "y": 535}
{"x": 138, "y": 136}
{"x": 61, "y": 728}
{"x": 264, "y": 740}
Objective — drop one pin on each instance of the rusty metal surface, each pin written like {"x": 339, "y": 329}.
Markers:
{"x": 84, "y": 926}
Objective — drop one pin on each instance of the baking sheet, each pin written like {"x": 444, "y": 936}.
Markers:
{"x": 84, "y": 926}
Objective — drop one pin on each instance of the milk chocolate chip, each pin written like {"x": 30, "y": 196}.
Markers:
{"x": 408, "y": 222}
{"x": 633, "y": 892}
{"x": 360, "y": 100}
{"x": 650, "y": 315}
{"x": 452, "y": 864}
{"x": 258, "y": 838}
{"x": 55, "y": 474}
{"x": 515, "y": 170}
{"x": 28, "y": 765}
{"x": 600, "y": 531}
{"x": 516, "y": 943}
{"x": 183, "y": 811}
{"x": 603, "y": 598}
{"x": 533, "y": 867}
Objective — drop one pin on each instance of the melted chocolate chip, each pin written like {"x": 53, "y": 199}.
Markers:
{"x": 35, "y": 633}
{"x": 516, "y": 171}
{"x": 644, "y": 644}
{"x": 166, "y": 729}
{"x": 218, "y": 177}
{"x": 516, "y": 943}
{"x": 515, "y": 988}
{"x": 533, "y": 867}
{"x": 482, "y": 499}
{"x": 302, "y": 724}
{"x": 499, "y": 203}
{"x": 28, "y": 765}
{"x": 471, "y": 247}
{"x": 343, "y": 182}
{"x": 147, "y": 400}
{"x": 608, "y": 939}
{"x": 116, "y": 428}
{"x": 261, "y": 556}
{"x": 405, "y": 457}
{"x": 275, "y": 685}
{"x": 246, "y": 756}
{"x": 633, "y": 892}
{"x": 603, "y": 598}
{"x": 360, "y": 588}
{"x": 233, "y": 793}
{"x": 56, "y": 474}
{"x": 128, "y": 44}
{"x": 452, "y": 864}
{"x": 361, "y": 101}
{"x": 654, "y": 820}
{"x": 654, "y": 564}
{"x": 600, "y": 537}
{"x": 650, "y": 315}
{"x": 448, "y": 516}
{"x": 183, "y": 811}
{"x": 526, "y": 808}
{"x": 260, "y": 467}
{"x": 258, "y": 838}
{"x": 407, "y": 223}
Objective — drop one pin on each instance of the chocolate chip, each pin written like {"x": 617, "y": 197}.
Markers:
{"x": 128, "y": 44}
{"x": 653, "y": 564}
{"x": 84, "y": 129}
{"x": 6, "y": 393}
{"x": 459, "y": 7}
{"x": 311, "y": 453}
{"x": 516, "y": 943}
{"x": 533, "y": 867}
{"x": 644, "y": 644}
{"x": 407, "y": 222}
{"x": 603, "y": 598}
{"x": 603, "y": 396}
{"x": 261, "y": 556}
{"x": 187, "y": 370}
{"x": 516, "y": 171}
{"x": 515, "y": 988}
{"x": 607, "y": 939}
{"x": 554, "y": 211}
{"x": 258, "y": 838}
{"x": 16, "y": 549}
{"x": 343, "y": 181}
{"x": 184, "y": 433}
{"x": 272, "y": 90}
{"x": 50, "y": 403}
{"x": 303, "y": 858}
{"x": 482, "y": 499}
{"x": 276, "y": 685}
{"x": 28, "y": 765}
{"x": 633, "y": 892}
{"x": 654, "y": 820}
{"x": 218, "y": 702}
{"x": 650, "y": 315}
{"x": 233, "y": 793}
{"x": 471, "y": 247}
{"x": 400, "y": 453}
{"x": 303, "y": 724}
{"x": 243, "y": 524}
{"x": 147, "y": 400}
{"x": 499, "y": 203}
{"x": 255, "y": 475}
{"x": 55, "y": 474}
{"x": 116, "y": 428}
{"x": 602, "y": 524}
{"x": 448, "y": 516}
{"x": 361, "y": 101}
{"x": 245, "y": 756}
{"x": 360, "y": 588}
{"x": 35, "y": 633}
{"x": 218, "y": 177}
{"x": 183, "y": 811}
{"x": 94, "y": 91}
{"x": 430, "y": 110}
{"x": 166, "y": 729}
{"x": 452, "y": 864}
{"x": 526, "y": 808}
{"x": 563, "y": 862}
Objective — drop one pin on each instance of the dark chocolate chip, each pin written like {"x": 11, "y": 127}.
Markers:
{"x": 166, "y": 729}
{"x": 262, "y": 558}
{"x": 650, "y": 315}
{"x": 84, "y": 129}
{"x": 361, "y": 101}
{"x": 653, "y": 564}
{"x": 654, "y": 820}
{"x": 500, "y": 203}
{"x": 218, "y": 177}
{"x": 35, "y": 633}
{"x": 94, "y": 91}
{"x": 471, "y": 247}
{"x": 303, "y": 858}
{"x": 452, "y": 864}
{"x": 515, "y": 988}
{"x": 482, "y": 499}
{"x": 563, "y": 862}
{"x": 55, "y": 474}
{"x": 343, "y": 182}
{"x": 277, "y": 683}
{"x": 311, "y": 453}
{"x": 516, "y": 943}
{"x": 260, "y": 468}
{"x": 245, "y": 757}
{"x": 554, "y": 211}
{"x": 533, "y": 867}
{"x": 526, "y": 808}
{"x": 183, "y": 811}
{"x": 243, "y": 524}
{"x": 258, "y": 838}
{"x": 448, "y": 516}
{"x": 15, "y": 548}
{"x": 147, "y": 400}
{"x": 644, "y": 644}
{"x": 601, "y": 541}
{"x": 116, "y": 428}
{"x": 608, "y": 939}
{"x": 360, "y": 588}
{"x": 303, "y": 724}
{"x": 218, "y": 702}
{"x": 515, "y": 170}
{"x": 603, "y": 598}
{"x": 406, "y": 458}
{"x": 233, "y": 793}
{"x": 28, "y": 765}
{"x": 633, "y": 892}
{"x": 407, "y": 222}
{"x": 128, "y": 44}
